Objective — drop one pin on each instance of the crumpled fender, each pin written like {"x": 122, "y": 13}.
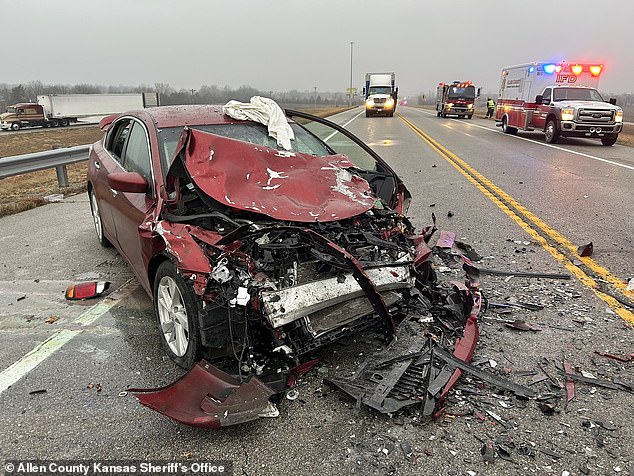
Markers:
{"x": 207, "y": 397}
{"x": 190, "y": 257}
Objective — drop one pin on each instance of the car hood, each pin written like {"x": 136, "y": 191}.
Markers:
{"x": 588, "y": 104}
{"x": 4, "y": 115}
{"x": 283, "y": 185}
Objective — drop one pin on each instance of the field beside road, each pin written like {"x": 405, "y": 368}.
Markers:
{"x": 26, "y": 191}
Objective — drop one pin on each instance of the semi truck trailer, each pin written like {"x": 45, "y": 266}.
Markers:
{"x": 60, "y": 110}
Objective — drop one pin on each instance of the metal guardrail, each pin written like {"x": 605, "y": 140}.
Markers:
{"x": 58, "y": 158}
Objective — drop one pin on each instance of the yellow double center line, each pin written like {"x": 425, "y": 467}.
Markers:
{"x": 605, "y": 285}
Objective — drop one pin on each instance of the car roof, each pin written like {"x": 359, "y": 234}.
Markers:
{"x": 184, "y": 115}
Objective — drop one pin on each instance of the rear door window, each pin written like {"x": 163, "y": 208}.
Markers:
{"x": 115, "y": 140}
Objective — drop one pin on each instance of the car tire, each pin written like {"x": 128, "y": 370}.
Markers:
{"x": 15, "y": 126}
{"x": 96, "y": 218}
{"x": 506, "y": 128}
{"x": 551, "y": 134}
{"x": 608, "y": 141}
{"x": 437, "y": 113}
{"x": 367, "y": 114}
{"x": 469, "y": 116}
{"x": 176, "y": 308}
{"x": 64, "y": 122}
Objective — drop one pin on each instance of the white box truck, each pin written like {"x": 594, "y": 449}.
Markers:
{"x": 380, "y": 93}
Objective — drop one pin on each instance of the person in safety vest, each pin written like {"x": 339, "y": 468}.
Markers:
{"x": 490, "y": 107}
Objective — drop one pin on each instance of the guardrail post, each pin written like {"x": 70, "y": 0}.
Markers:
{"x": 62, "y": 176}
{"x": 62, "y": 172}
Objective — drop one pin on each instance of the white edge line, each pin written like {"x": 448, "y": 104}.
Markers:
{"x": 344, "y": 126}
{"x": 607, "y": 161}
{"x": 44, "y": 350}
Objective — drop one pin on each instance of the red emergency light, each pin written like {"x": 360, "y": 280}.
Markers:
{"x": 577, "y": 69}
{"x": 596, "y": 69}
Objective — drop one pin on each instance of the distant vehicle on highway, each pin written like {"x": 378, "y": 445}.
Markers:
{"x": 456, "y": 99}
{"x": 559, "y": 99}
{"x": 61, "y": 110}
{"x": 254, "y": 255}
{"x": 380, "y": 93}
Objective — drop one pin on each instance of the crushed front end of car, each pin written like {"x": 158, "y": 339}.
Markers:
{"x": 287, "y": 253}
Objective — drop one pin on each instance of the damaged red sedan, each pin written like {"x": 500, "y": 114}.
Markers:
{"x": 255, "y": 252}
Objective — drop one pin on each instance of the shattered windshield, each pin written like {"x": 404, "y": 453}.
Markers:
{"x": 466, "y": 93}
{"x": 577, "y": 94}
{"x": 251, "y": 132}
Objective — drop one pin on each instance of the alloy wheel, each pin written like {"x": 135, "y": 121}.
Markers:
{"x": 173, "y": 316}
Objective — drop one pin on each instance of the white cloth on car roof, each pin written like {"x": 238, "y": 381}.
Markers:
{"x": 267, "y": 112}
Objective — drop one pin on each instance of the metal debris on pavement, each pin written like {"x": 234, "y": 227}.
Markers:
{"x": 585, "y": 250}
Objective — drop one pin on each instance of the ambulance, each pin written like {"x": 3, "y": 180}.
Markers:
{"x": 559, "y": 98}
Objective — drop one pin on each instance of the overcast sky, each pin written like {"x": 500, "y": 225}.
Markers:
{"x": 283, "y": 44}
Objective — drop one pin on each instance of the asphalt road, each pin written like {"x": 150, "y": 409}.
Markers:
{"x": 577, "y": 192}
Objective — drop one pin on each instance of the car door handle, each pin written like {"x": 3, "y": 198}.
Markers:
{"x": 114, "y": 192}
{"x": 97, "y": 165}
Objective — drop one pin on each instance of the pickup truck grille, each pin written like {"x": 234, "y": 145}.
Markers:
{"x": 595, "y": 115}
{"x": 379, "y": 100}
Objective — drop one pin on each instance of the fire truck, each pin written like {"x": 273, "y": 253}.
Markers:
{"x": 456, "y": 99}
{"x": 559, "y": 98}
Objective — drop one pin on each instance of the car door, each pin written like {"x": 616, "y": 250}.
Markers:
{"x": 541, "y": 110}
{"x": 131, "y": 209}
{"x": 105, "y": 161}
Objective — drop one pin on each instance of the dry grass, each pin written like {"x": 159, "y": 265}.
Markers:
{"x": 26, "y": 191}
{"x": 46, "y": 139}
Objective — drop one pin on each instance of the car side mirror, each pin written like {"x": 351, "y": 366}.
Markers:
{"x": 612, "y": 101}
{"x": 130, "y": 182}
{"x": 363, "y": 91}
{"x": 478, "y": 93}
{"x": 539, "y": 99}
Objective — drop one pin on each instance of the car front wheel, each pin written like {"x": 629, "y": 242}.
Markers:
{"x": 608, "y": 141}
{"x": 551, "y": 133}
{"x": 176, "y": 307}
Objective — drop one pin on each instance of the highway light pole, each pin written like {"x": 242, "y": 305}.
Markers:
{"x": 350, "y": 89}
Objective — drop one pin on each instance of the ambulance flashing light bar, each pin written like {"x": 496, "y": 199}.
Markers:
{"x": 576, "y": 69}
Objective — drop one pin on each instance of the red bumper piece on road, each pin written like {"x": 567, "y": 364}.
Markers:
{"x": 207, "y": 397}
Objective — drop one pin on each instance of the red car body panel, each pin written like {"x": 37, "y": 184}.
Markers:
{"x": 249, "y": 180}
{"x": 284, "y": 186}
{"x": 207, "y": 397}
